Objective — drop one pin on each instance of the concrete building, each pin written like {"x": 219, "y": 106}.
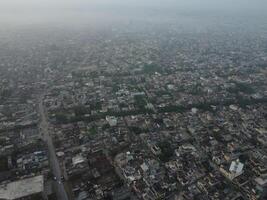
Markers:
{"x": 26, "y": 189}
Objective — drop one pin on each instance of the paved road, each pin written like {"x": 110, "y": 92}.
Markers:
{"x": 60, "y": 190}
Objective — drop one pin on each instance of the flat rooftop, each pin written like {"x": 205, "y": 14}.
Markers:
{"x": 22, "y": 188}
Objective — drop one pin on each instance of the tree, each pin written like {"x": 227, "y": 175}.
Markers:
{"x": 166, "y": 151}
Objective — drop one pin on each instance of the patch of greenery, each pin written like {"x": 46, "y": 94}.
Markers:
{"x": 151, "y": 68}
{"x": 166, "y": 151}
{"x": 242, "y": 87}
{"x": 93, "y": 130}
{"x": 80, "y": 110}
{"x": 140, "y": 101}
{"x": 61, "y": 117}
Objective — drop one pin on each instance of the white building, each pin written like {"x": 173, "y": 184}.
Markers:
{"x": 236, "y": 169}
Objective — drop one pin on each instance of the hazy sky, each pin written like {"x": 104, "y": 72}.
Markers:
{"x": 38, "y": 11}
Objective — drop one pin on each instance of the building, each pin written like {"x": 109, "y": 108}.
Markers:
{"x": 26, "y": 189}
{"x": 236, "y": 169}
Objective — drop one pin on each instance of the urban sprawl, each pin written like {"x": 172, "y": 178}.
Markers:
{"x": 150, "y": 114}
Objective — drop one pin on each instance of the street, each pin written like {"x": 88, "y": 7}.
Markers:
{"x": 54, "y": 164}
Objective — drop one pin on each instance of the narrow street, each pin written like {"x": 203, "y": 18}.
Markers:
{"x": 54, "y": 164}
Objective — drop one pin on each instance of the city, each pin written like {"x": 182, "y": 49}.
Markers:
{"x": 134, "y": 112}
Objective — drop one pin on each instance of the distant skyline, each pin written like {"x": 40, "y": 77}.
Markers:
{"x": 54, "y": 11}
{"x": 14, "y": 5}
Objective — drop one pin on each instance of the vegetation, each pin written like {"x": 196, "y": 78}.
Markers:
{"x": 93, "y": 130}
{"x": 166, "y": 151}
{"x": 240, "y": 101}
{"x": 80, "y": 110}
{"x": 151, "y": 68}
{"x": 242, "y": 87}
{"x": 61, "y": 117}
{"x": 140, "y": 101}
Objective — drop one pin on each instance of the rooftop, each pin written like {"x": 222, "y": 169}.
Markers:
{"x": 22, "y": 188}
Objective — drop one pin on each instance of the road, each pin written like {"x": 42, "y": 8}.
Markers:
{"x": 54, "y": 164}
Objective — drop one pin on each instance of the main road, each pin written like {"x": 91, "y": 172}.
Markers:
{"x": 54, "y": 164}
